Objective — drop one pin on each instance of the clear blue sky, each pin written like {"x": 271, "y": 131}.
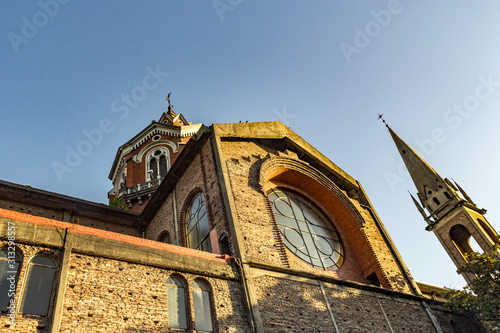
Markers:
{"x": 325, "y": 68}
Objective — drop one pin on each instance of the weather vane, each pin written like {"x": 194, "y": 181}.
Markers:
{"x": 170, "y": 106}
{"x": 168, "y": 99}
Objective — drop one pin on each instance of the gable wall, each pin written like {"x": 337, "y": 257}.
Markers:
{"x": 263, "y": 241}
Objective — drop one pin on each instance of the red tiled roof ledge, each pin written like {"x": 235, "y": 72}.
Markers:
{"x": 80, "y": 229}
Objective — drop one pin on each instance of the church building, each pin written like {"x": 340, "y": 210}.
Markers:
{"x": 239, "y": 227}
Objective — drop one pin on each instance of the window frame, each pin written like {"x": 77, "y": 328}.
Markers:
{"x": 26, "y": 283}
{"x": 17, "y": 252}
{"x": 203, "y": 240}
{"x": 325, "y": 218}
{"x": 209, "y": 296}
{"x": 185, "y": 285}
{"x": 163, "y": 151}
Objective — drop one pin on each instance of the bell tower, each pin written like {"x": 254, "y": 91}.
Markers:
{"x": 449, "y": 212}
{"x": 143, "y": 162}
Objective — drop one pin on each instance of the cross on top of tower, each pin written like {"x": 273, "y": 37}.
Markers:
{"x": 383, "y": 120}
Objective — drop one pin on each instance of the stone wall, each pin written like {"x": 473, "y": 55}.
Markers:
{"x": 25, "y": 323}
{"x": 117, "y": 283}
{"x": 296, "y": 304}
{"x": 104, "y": 295}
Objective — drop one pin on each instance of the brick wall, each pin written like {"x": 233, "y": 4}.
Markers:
{"x": 105, "y": 295}
{"x": 290, "y": 306}
{"x": 366, "y": 250}
{"x": 451, "y": 322}
{"x": 62, "y": 215}
{"x": 164, "y": 221}
{"x": 201, "y": 175}
{"x": 104, "y": 225}
{"x": 262, "y": 243}
{"x": 294, "y": 304}
{"x": 32, "y": 210}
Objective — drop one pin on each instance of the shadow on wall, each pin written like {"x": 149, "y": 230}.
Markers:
{"x": 299, "y": 306}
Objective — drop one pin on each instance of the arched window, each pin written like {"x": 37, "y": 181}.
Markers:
{"x": 197, "y": 229}
{"x": 164, "y": 238}
{"x": 202, "y": 306}
{"x": 10, "y": 263}
{"x": 157, "y": 163}
{"x": 176, "y": 303}
{"x": 38, "y": 286}
{"x": 305, "y": 229}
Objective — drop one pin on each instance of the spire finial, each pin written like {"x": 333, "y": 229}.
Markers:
{"x": 168, "y": 99}
{"x": 383, "y": 120}
{"x": 170, "y": 106}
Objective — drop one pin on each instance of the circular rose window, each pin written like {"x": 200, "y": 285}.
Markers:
{"x": 305, "y": 229}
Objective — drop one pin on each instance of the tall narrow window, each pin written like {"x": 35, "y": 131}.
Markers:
{"x": 38, "y": 286}
{"x": 176, "y": 303}
{"x": 305, "y": 229}
{"x": 154, "y": 168}
{"x": 163, "y": 166}
{"x": 9, "y": 274}
{"x": 202, "y": 308}
{"x": 197, "y": 229}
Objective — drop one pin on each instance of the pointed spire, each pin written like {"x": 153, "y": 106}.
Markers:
{"x": 420, "y": 209}
{"x": 450, "y": 184}
{"x": 464, "y": 194}
{"x": 421, "y": 173}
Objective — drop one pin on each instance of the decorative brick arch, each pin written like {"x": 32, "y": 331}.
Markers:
{"x": 460, "y": 236}
{"x": 164, "y": 236}
{"x": 17, "y": 249}
{"x": 211, "y": 299}
{"x": 160, "y": 143}
{"x": 301, "y": 175}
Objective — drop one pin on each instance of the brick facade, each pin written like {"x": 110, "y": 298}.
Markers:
{"x": 366, "y": 250}
{"x": 106, "y": 295}
{"x": 112, "y": 272}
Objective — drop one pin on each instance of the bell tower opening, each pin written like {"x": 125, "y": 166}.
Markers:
{"x": 463, "y": 240}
